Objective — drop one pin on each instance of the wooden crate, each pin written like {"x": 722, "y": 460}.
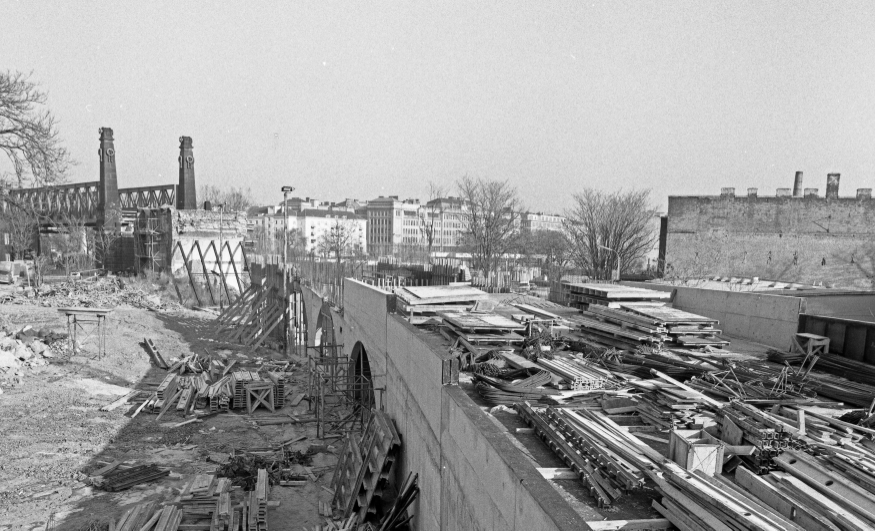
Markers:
{"x": 696, "y": 450}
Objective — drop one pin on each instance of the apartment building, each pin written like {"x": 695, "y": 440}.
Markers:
{"x": 392, "y": 223}
{"x": 535, "y": 221}
{"x": 448, "y": 215}
{"x": 314, "y": 224}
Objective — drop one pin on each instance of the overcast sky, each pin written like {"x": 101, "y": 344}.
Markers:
{"x": 360, "y": 99}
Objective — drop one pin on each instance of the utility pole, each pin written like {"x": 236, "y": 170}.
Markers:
{"x": 286, "y": 299}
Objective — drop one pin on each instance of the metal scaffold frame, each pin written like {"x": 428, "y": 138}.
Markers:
{"x": 150, "y": 240}
{"x": 342, "y": 398}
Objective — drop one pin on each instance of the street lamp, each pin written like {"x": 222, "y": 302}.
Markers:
{"x": 617, "y": 274}
{"x": 286, "y": 190}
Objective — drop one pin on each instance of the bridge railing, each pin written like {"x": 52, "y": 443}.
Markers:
{"x": 131, "y": 199}
{"x": 78, "y": 200}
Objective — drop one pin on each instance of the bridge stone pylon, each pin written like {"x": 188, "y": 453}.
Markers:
{"x": 108, "y": 197}
{"x": 186, "y": 192}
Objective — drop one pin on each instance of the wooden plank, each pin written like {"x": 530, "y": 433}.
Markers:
{"x": 665, "y": 314}
{"x": 814, "y": 500}
{"x": 680, "y": 519}
{"x": 274, "y": 321}
{"x": 558, "y": 473}
{"x": 831, "y": 485}
{"x": 121, "y": 401}
{"x": 416, "y": 295}
{"x": 474, "y": 321}
{"x": 615, "y": 525}
{"x": 781, "y": 502}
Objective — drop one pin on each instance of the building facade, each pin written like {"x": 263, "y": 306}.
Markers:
{"x": 393, "y": 223}
{"x": 535, "y": 221}
{"x": 800, "y": 236}
{"x": 448, "y": 215}
{"x": 317, "y": 227}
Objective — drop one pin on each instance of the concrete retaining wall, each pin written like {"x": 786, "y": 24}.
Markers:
{"x": 768, "y": 319}
{"x": 471, "y": 475}
{"x": 857, "y": 306}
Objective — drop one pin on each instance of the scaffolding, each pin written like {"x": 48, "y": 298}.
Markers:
{"x": 152, "y": 239}
{"x": 341, "y": 396}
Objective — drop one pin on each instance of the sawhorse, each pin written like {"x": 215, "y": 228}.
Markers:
{"x": 80, "y": 319}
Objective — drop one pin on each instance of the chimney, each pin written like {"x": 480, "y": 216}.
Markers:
{"x": 727, "y": 192}
{"x": 811, "y": 192}
{"x": 797, "y": 185}
{"x": 751, "y": 192}
{"x": 782, "y": 192}
{"x": 864, "y": 193}
{"x": 832, "y": 185}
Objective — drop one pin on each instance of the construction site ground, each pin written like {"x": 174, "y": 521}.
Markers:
{"x": 53, "y": 430}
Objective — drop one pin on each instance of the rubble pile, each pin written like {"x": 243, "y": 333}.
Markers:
{"x": 29, "y": 347}
{"x": 95, "y": 292}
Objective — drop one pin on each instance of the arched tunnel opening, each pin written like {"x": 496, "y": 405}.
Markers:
{"x": 361, "y": 378}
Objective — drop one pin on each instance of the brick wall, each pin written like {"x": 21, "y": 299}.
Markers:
{"x": 808, "y": 240}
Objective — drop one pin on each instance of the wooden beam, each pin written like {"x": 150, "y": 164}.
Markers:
{"x": 612, "y": 525}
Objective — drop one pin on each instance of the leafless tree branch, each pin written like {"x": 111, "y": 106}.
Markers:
{"x": 28, "y": 135}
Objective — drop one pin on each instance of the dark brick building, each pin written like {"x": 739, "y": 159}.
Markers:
{"x": 800, "y": 236}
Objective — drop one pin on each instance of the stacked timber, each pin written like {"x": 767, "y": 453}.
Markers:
{"x": 218, "y": 395}
{"x": 124, "y": 478}
{"x": 578, "y": 374}
{"x": 611, "y": 295}
{"x": 279, "y": 393}
{"x": 167, "y": 387}
{"x": 422, "y": 304}
{"x": 683, "y": 328}
{"x": 478, "y": 328}
{"x": 608, "y": 459}
{"x": 668, "y": 406}
{"x": 631, "y": 325}
{"x": 239, "y": 380}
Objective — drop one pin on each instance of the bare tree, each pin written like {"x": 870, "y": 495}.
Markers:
{"x": 297, "y": 244}
{"x": 604, "y": 223}
{"x": 338, "y": 240}
{"x": 235, "y": 199}
{"x": 431, "y": 222}
{"x": 70, "y": 242}
{"x": 555, "y": 248}
{"x": 22, "y": 225}
{"x": 28, "y": 134}
{"x": 107, "y": 235}
{"x": 492, "y": 220}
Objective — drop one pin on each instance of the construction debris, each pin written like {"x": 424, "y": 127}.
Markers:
{"x": 363, "y": 470}
{"x": 105, "y": 292}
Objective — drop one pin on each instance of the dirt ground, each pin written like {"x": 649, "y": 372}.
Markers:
{"x": 53, "y": 430}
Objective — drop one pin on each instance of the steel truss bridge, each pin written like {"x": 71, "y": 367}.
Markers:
{"x": 59, "y": 204}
